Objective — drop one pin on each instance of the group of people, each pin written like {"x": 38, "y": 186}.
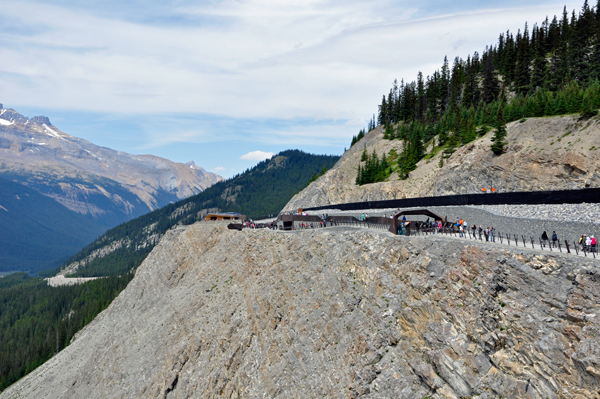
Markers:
{"x": 489, "y": 233}
{"x": 545, "y": 240}
{"x": 588, "y": 243}
{"x": 311, "y": 225}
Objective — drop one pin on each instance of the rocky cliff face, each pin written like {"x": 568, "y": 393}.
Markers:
{"x": 110, "y": 186}
{"x": 543, "y": 154}
{"x": 336, "y": 313}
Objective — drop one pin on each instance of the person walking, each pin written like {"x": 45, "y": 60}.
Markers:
{"x": 487, "y": 233}
{"x": 544, "y": 239}
{"x": 480, "y": 232}
{"x": 474, "y": 228}
{"x": 588, "y": 243}
{"x": 493, "y": 234}
{"x": 461, "y": 230}
{"x": 554, "y": 238}
{"x": 593, "y": 243}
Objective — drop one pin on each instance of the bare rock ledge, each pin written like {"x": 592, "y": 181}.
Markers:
{"x": 336, "y": 313}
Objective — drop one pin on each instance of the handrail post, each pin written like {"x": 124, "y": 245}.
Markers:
{"x": 567, "y": 245}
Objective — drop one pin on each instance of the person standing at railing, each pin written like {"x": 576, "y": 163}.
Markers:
{"x": 588, "y": 243}
{"x": 593, "y": 243}
{"x": 493, "y": 234}
{"x": 554, "y": 238}
{"x": 461, "y": 230}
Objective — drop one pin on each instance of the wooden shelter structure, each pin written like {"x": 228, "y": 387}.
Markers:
{"x": 225, "y": 216}
{"x": 409, "y": 225}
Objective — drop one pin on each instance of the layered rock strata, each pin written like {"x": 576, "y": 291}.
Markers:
{"x": 336, "y": 313}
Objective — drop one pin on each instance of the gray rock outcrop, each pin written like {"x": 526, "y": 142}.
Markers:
{"x": 336, "y": 313}
{"x": 553, "y": 153}
{"x": 41, "y": 120}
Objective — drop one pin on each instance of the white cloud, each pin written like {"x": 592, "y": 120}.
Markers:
{"x": 268, "y": 58}
{"x": 299, "y": 61}
{"x": 219, "y": 169}
{"x": 257, "y": 156}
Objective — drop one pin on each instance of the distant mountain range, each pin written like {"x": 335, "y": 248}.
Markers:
{"x": 108, "y": 186}
{"x": 59, "y": 192}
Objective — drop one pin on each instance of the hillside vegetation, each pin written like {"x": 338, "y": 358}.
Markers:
{"x": 36, "y": 320}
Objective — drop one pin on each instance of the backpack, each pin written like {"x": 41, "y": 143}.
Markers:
{"x": 554, "y": 237}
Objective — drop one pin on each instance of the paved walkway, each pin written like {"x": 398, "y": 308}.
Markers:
{"x": 504, "y": 242}
{"x": 536, "y": 246}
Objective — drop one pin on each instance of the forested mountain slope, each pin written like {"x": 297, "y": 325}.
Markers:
{"x": 36, "y": 232}
{"x": 37, "y": 320}
{"x": 258, "y": 192}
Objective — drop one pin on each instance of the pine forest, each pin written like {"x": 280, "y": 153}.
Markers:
{"x": 548, "y": 70}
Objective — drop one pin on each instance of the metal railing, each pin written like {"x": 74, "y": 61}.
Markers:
{"x": 517, "y": 240}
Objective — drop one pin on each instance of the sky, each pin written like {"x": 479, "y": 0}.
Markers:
{"x": 229, "y": 83}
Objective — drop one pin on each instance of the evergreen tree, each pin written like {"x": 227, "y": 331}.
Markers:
{"x": 490, "y": 82}
{"x": 522, "y": 72}
{"x": 498, "y": 142}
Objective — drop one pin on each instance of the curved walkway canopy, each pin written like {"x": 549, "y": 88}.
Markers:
{"x": 425, "y": 212}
